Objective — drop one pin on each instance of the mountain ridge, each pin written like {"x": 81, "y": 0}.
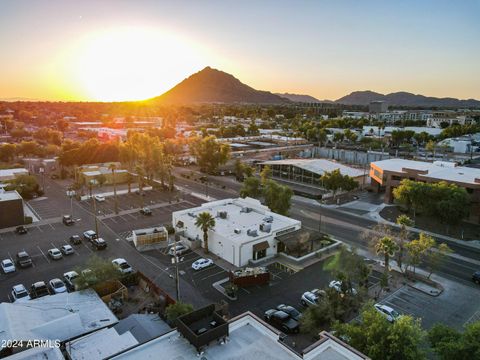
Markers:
{"x": 403, "y": 98}
{"x": 214, "y": 86}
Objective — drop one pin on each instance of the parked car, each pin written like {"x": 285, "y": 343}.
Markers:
{"x": 390, "y": 314}
{"x": 99, "y": 243}
{"x": 55, "y": 254}
{"x": 57, "y": 286}
{"x": 21, "y": 230}
{"x": 146, "y": 211}
{"x": 281, "y": 320}
{"x": 311, "y": 298}
{"x": 122, "y": 265}
{"x": 99, "y": 198}
{"x": 19, "y": 293}
{"x": 89, "y": 235}
{"x": 180, "y": 249}
{"x": 67, "y": 250}
{"x": 75, "y": 240}
{"x": 39, "y": 289}
{"x": 202, "y": 264}
{"x": 7, "y": 266}
{"x": 337, "y": 285}
{"x": 476, "y": 277}
{"x": 69, "y": 278}
{"x": 23, "y": 259}
{"x": 290, "y": 310}
{"x": 68, "y": 220}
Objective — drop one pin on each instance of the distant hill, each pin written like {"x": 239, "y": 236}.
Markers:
{"x": 403, "y": 98}
{"x": 299, "y": 98}
{"x": 215, "y": 86}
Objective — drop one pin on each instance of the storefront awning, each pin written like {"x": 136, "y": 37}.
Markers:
{"x": 261, "y": 246}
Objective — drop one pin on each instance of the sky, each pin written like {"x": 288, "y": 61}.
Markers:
{"x": 111, "y": 50}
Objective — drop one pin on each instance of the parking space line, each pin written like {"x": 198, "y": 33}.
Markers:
{"x": 133, "y": 217}
{"x": 10, "y": 256}
{"x": 209, "y": 276}
{"x": 87, "y": 247}
{"x": 248, "y": 292}
{"x": 53, "y": 227}
{"x": 46, "y": 258}
{"x": 38, "y": 227}
{"x": 113, "y": 220}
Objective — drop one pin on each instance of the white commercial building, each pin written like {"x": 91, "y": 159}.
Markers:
{"x": 11, "y": 174}
{"x": 244, "y": 229}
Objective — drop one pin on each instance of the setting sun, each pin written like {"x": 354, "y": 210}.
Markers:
{"x": 132, "y": 63}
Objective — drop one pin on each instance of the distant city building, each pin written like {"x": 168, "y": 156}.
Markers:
{"x": 376, "y": 107}
{"x": 88, "y": 173}
{"x": 245, "y": 230}
{"x": 438, "y": 121}
{"x": 387, "y": 174}
{"x": 355, "y": 115}
{"x": 11, "y": 174}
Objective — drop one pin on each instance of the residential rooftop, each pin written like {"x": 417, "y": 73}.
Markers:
{"x": 241, "y": 214}
{"x": 318, "y": 166}
{"x": 438, "y": 170}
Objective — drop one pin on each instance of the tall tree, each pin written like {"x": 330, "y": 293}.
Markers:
{"x": 205, "y": 221}
{"x": 377, "y": 338}
{"x": 387, "y": 247}
{"x": 210, "y": 154}
{"x": 418, "y": 248}
{"x": 404, "y": 221}
{"x": 277, "y": 197}
{"x": 450, "y": 344}
{"x": 251, "y": 188}
{"x": 265, "y": 174}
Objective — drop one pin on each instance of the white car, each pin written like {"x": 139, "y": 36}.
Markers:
{"x": 70, "y": 277}
{"x": 8, "y": 266}
{"x": 337, "y": 285}
{"x": 57, "y": 286}
{"x": 179, "y": 249}
{"x": 55, "y": 254}
{"x": 99, "y": 198}
{"x": 311, "y": 298}
{"x": 67, "y": 250}
{"x": 202, "y": 264}
{"x": 20, "y": 293}
{"x": 90, "y": 235}
{"x": 390, "y": 314}
{"x": 122, "y": 265}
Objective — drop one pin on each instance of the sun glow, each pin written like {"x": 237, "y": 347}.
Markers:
{"x": 133, "y": 63}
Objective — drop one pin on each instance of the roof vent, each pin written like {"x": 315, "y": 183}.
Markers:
{"x": 265, "y": 227}
{"x": 222, "y": 214}
{"x": 237, "y": 231}
{"x": 268, "y": 219}
{"x": 252, "y": 232}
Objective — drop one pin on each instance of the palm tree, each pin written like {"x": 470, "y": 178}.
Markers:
{"x": 205, "y": 221}
{"x": 404, "y": 221}
{"x": 112, "y": 167}
{"x": 388, "y": 247}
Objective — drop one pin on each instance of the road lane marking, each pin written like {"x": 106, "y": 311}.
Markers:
{"x": 46, "y": 258}
{"x": 209, "y": 276}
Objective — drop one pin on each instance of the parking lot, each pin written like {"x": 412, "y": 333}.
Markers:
{"x": 456, "y": 306}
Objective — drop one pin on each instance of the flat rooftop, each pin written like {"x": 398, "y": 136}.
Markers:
{"x": 249, "y": 338}
{"x": 9, "y": 195}
{"x": 317, "y": 166}
{"x": 238, "y": 218}
{"x": 438, "y": 170}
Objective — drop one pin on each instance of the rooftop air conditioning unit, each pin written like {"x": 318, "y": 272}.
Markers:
{"x": 265, "y": 227}
{"x": 237, "y": 231}
{"x": 252, "y": 232}
{"x": 268, "y": 219}
{"x": 222, "y": 214}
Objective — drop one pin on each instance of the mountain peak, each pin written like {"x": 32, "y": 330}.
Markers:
{"x": 215, "y": 86}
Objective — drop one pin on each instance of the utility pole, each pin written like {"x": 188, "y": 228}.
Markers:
{"x": 206, "y": 186}
{"x": 175, "y": 259}
{"x": 94, "y": 209}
